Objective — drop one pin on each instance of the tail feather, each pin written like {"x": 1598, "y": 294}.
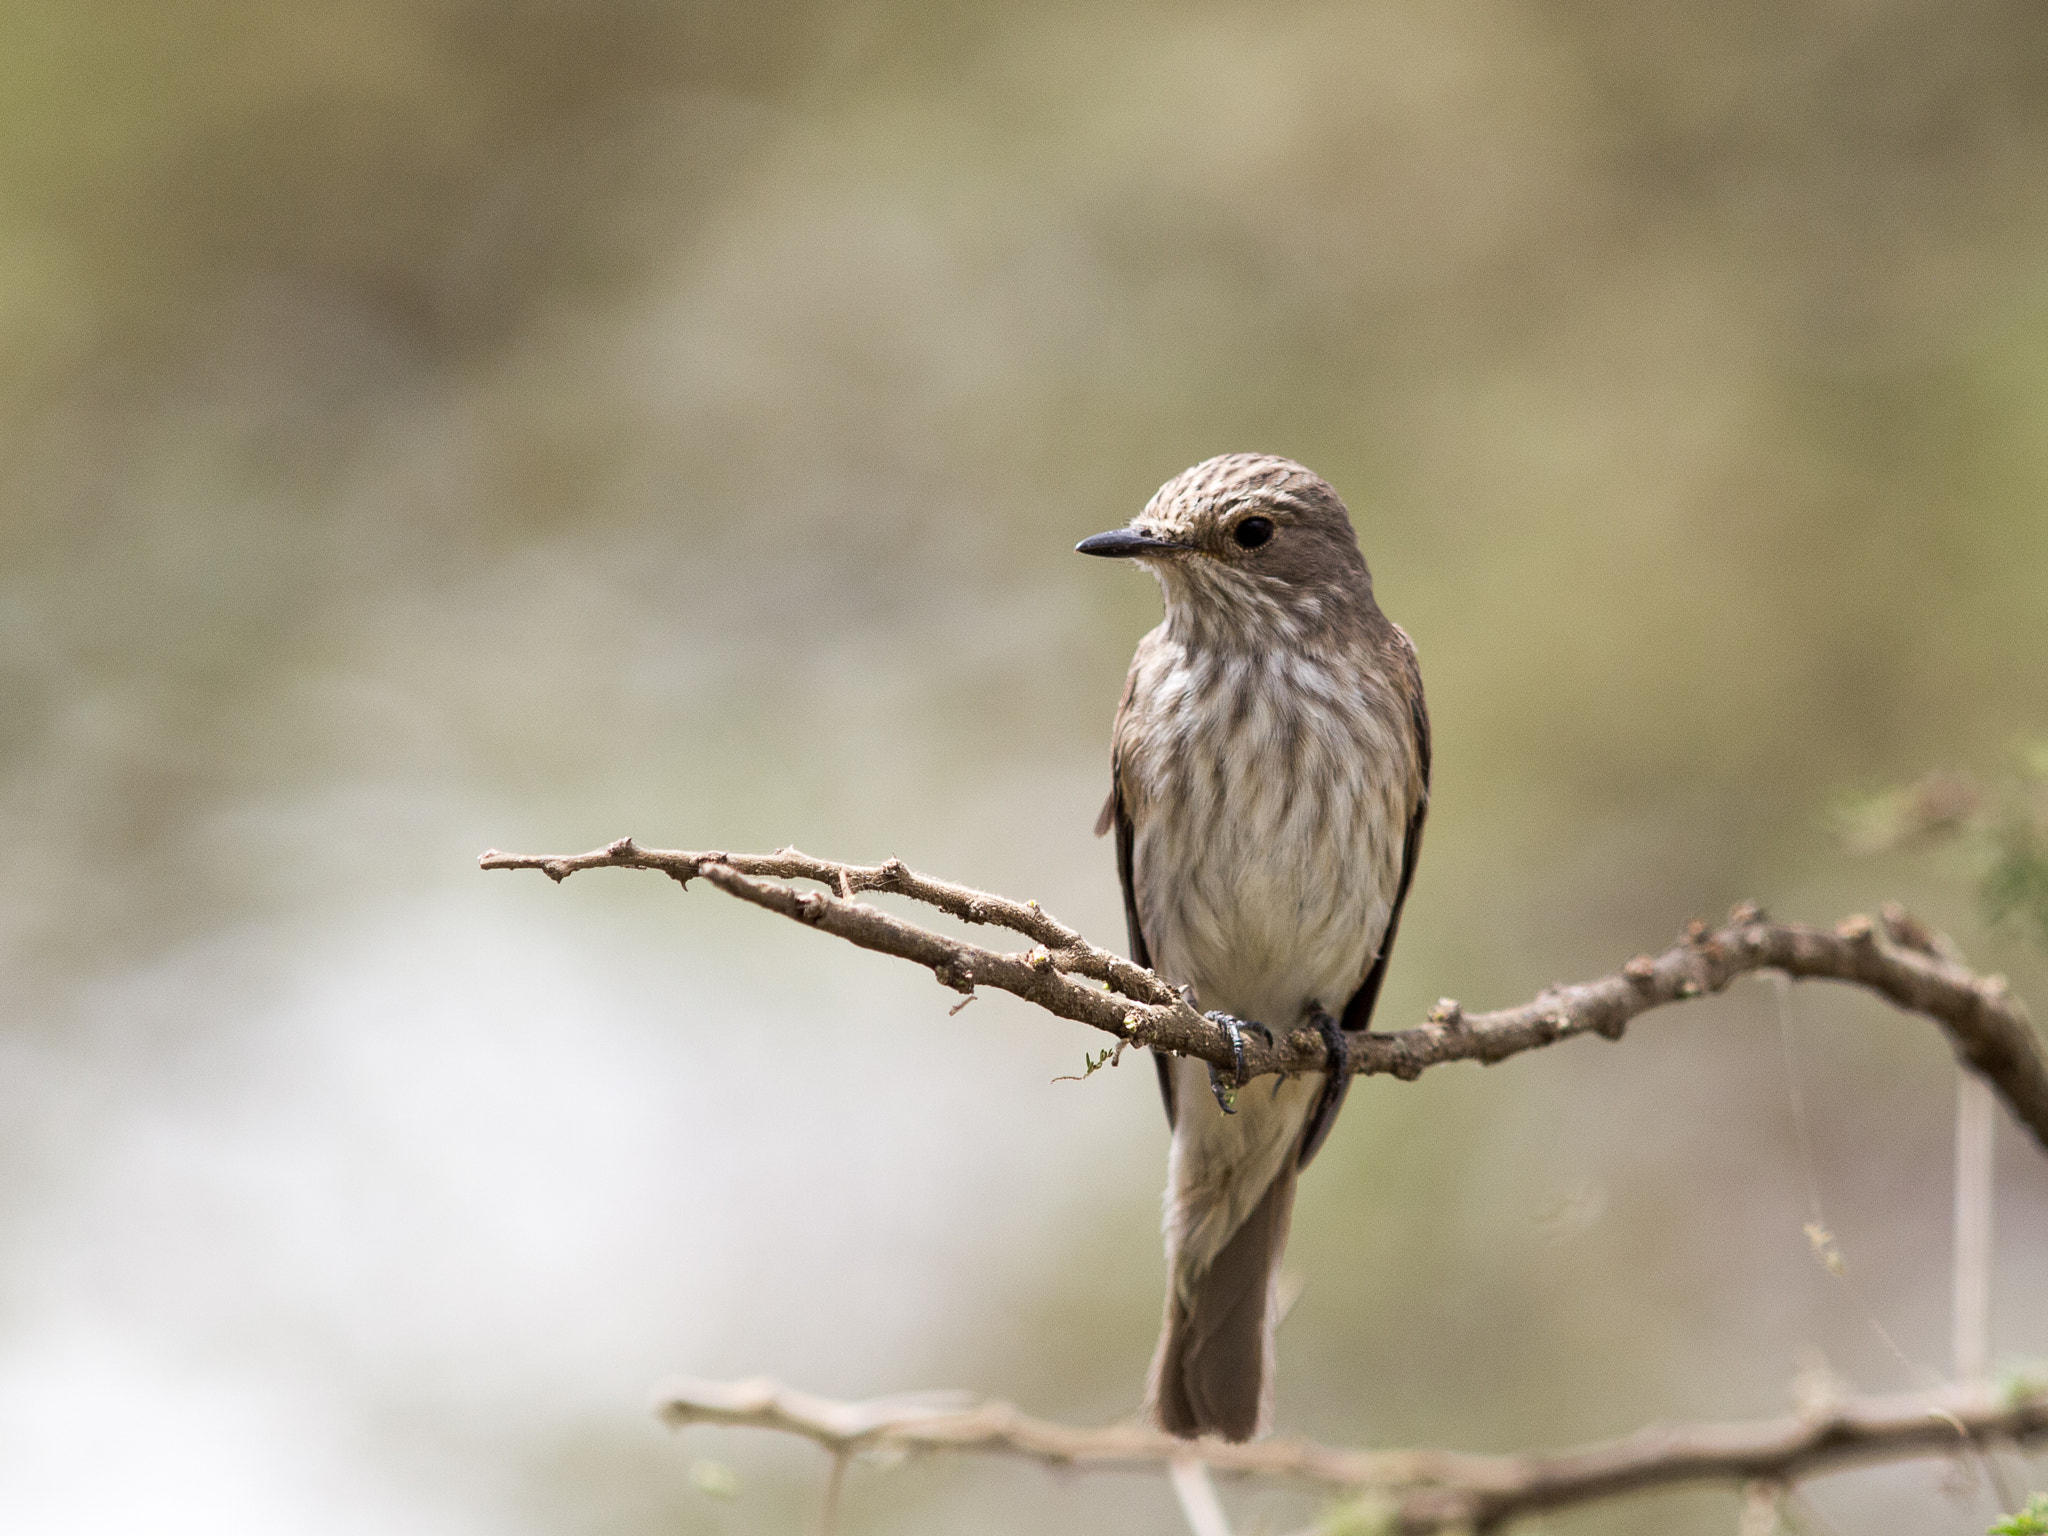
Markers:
{"x": 1213, "y": 1371}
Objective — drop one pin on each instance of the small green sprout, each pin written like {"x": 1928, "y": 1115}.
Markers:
{"x": 2031, "y": 1521}
{"x": 1091, "y": 1064}
{"x": 1369, "y": 1514}
{"x": 2003, "y": 829}
{"x": 715, "y": 1479}
{"x": 2023, "y": 1381}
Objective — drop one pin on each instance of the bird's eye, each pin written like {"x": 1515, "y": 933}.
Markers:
{"x": 1252, "y": 532}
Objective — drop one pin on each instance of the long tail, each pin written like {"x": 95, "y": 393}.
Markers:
{"x": 1213, "y": 1371}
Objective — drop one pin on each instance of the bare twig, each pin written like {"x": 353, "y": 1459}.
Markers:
{"x": 1196, "y": 1496}
{"x": 1762, "y": 1505}
{"x": 1972, "y": 1299}
{"x": 835, "y": 1486}
{"x": 1425, "y": 1490}
{"x": 1904, "y": 963}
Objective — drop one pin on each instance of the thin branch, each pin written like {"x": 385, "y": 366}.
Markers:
{"x": 1426, "y": 1490}
{"x": 835, "y": 1488}
{"x": 1914, "y": 969}
{"x": 1972, "y": 1241}
{"x": 1196, "y": 1496}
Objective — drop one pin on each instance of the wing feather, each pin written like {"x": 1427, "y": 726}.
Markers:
{"x": 1116, "y": 816}
{"x": 1358, "y": 1012}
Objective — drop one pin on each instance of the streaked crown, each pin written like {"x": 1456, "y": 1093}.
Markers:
{"x": 1258, "y": 537}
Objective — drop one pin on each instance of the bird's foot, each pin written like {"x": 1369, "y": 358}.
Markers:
{"x": 1226, "y": 1093}
{"x": 1337, "y": 1079}
{"x": 1336, "y": 1044}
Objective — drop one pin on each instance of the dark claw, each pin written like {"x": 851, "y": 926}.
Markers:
{"x": 1226, "y": 1093}
{"x": 1336, "y": 1045}
{"x": 1337, "y": 1061}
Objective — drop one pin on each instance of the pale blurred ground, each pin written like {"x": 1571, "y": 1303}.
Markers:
{"x": 426, "y": 426}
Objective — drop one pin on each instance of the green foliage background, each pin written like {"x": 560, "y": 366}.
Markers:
{"x": 428, "y": 424}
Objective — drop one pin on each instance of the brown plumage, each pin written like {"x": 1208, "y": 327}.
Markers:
{"x": 1270, "y": 774}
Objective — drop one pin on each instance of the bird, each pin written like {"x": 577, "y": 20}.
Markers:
{"x": 1269, "y": 779}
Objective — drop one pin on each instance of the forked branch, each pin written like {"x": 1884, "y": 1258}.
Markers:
{"x": 1066, "y": 975}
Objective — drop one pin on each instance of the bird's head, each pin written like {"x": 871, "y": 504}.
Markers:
{"x": 1247, "y": 541}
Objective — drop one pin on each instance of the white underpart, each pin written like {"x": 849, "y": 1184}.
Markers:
{"x": 1265, "y": 885}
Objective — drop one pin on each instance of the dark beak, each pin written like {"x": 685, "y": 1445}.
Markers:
{"x": 1124, "y": 543}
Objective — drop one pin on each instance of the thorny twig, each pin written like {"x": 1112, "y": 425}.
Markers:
{"x": 1423, "y": 1491}
{"x": 1066, "y": 975}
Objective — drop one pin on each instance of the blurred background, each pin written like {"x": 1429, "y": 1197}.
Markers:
{"x": 428, "y": 425}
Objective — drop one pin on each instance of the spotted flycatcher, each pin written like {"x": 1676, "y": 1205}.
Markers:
{"x": 1269, "y": 777}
